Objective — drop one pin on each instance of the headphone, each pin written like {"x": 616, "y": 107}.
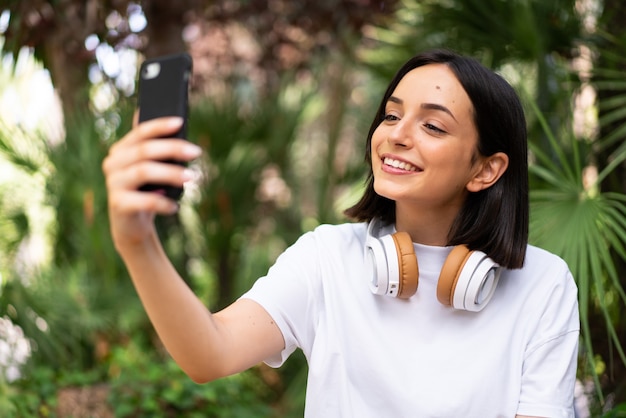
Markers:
{"x": 467, "y": 280}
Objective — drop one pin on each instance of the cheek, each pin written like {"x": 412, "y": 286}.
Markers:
{"x": 377, "y": 138}
{"x": 452, "y": 155}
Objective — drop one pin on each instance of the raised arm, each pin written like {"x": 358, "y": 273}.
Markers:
{"x": 205, "y": 345}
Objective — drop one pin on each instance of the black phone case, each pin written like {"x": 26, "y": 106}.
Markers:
{"x": 164, "y": 91}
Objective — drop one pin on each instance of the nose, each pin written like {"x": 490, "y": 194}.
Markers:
{"x": 401, "y": 134}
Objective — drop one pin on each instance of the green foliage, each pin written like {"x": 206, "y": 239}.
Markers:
{"x": 139, "y": 383}
{"x": 24, "y": 166}
{"x": 608, "y": 80}
{"x": 74, "y": 303}
{"x": 618, "y": 412}
{"x": 142, "y": 385}
{"x": 67, "y": 313}
{"x": 242, "y": 139}
{"x": 36, "y": 395}
{"x": 573, "y": 219}
{"x": 495, "y": 31}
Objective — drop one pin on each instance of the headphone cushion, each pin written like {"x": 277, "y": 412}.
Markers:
{"x": 450, "y": 273}
{"x": 407, "y": 263}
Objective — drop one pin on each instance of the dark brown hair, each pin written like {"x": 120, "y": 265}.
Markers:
{"x": 494, "y": 220}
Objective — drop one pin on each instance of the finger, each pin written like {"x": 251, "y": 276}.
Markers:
{"x": 154, "y": 150}
{"x": 133, "y": 202}
{"x": 155, "y": 128}
{"x": 148, "y": 172}
{"x": 136, "y": 118}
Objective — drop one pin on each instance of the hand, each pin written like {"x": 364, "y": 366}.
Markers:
{"x": 135, "y": 160}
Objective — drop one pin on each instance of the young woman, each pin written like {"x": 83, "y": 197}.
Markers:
{"x": 431, "y": 304}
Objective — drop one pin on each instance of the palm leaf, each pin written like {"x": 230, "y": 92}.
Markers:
{"x": 562, "y": 171}
{"x": 586, "y": 228}
{"x": 608, "y": 80}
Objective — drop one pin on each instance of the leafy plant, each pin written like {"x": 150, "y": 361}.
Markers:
{"x": 242, "y": 141}
{"x": 150, "y": 386}
{"x": 571, "y": 217}
{"x": 618, "y": 412}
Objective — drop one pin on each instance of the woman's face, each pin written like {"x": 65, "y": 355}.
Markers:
{"x": 424, "y": 153}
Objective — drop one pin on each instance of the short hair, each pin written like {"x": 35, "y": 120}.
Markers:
{"x": 493, "y": 220}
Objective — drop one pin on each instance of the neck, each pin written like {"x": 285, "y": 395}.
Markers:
{"x": 427, "y": 227}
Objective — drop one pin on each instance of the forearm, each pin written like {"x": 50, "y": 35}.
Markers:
{"x": 205, "y": 346}
{"x": 185, "y": 326}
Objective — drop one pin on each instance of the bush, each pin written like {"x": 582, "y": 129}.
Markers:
{"x": 147, "y": 386}
{"x": 139, "y": 382}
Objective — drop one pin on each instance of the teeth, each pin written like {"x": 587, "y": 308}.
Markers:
{"x": 399, "y": 164}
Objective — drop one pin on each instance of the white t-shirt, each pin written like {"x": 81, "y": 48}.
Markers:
{"x": 378, "y": 356}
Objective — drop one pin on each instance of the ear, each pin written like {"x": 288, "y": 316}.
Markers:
{"x": 489, "y": 170}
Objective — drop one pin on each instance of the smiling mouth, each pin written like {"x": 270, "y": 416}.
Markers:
{"x": 399, "y": 164}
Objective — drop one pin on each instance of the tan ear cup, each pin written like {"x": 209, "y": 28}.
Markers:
{"x": 407, "y": 263}
{"x": 450, "y": 273}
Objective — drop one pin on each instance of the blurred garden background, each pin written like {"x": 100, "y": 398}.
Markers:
{"x": 282, "y": 96}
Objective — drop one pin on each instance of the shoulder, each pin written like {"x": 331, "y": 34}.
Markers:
{"x": 339, "y": 235}
{"x": 536, "y": 255}
{"x": 326, "y": 243}
{"x": 542, "y": 274}
{"x": 544, "y": 279}
{"x": 544, "y": 289}
{"x": 347, "y": 230}
{"x": 545, "y": 266}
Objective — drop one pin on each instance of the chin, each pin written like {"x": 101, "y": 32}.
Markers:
{"x": 387, "y": 192}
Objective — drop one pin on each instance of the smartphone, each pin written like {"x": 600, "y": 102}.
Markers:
{"x": 164, "y": 91}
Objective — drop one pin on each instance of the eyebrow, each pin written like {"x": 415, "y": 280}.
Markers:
{"x": 431, "y": 106}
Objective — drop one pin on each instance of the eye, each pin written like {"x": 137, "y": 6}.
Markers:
{"x": 433, "y": 128}
{"x": 390, "y": 117}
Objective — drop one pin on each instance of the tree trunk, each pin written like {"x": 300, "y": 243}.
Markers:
{"x": 68, "y": 72}
{"x": 65, "y": 56}
{"x": 166, "y": 21}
